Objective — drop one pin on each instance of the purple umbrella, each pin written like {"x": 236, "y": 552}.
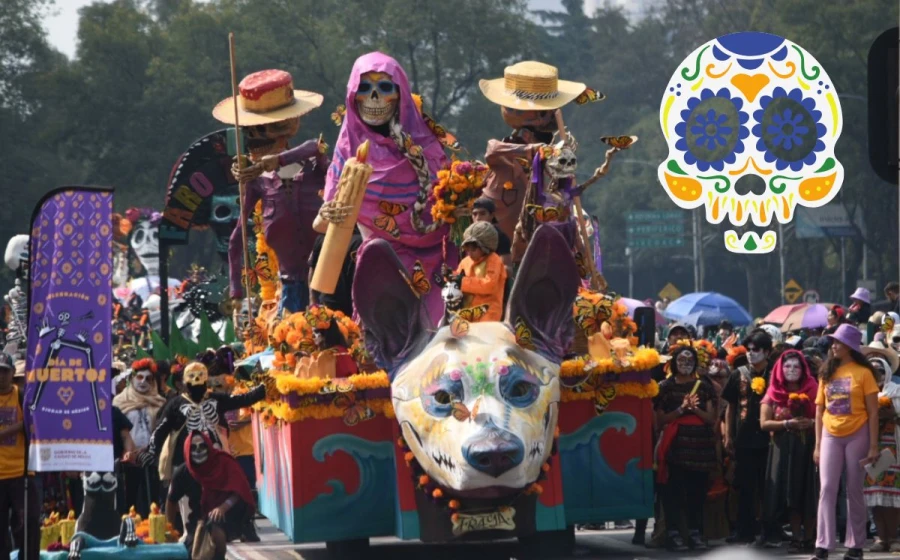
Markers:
{"x": 807, "y": 317}
{"x": 633, "y": 304}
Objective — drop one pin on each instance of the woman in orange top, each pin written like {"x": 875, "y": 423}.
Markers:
{"x": 485, "y": 274}
{"x": 846, "y": 435}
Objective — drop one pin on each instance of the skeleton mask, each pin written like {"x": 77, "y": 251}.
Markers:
{"x": 199, "y": 450}
{"x": 563, "y": 163}
{"x": 141, "y": 381}
{"x": 266, "y": 139}
{"x": 539, "y": 121}
{"x": 16, "y": 256}
{"x": 225, "y": 211}
{"x": 376, "y": 98}
{"x": 195, "y": 375}
{"x": 685, "y": 362}
{"x": 750, "y": 104}
{"x": 510, "y": 394}
{"x": 145, "y": 243}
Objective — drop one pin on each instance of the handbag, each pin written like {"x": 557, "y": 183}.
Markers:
{"x": 204, "y": 548}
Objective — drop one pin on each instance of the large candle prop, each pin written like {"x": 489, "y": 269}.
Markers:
{"x": 350, "y": 192}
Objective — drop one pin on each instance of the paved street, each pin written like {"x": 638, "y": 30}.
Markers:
{"x": 607, "y": 545}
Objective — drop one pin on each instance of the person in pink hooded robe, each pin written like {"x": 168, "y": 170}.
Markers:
{"x": 396, "y": 206}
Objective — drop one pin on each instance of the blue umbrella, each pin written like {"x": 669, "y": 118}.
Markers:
{"x": 707, "y": 308}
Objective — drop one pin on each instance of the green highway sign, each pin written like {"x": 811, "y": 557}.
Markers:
{"x": 655, "y": 215}
{"x": 636, "y": 230}
{"x": 656, "y": 242}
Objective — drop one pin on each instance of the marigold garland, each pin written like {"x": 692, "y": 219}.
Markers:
{"x": 628, "y": 389}
{"x": 266, "y": 260}
{"x": 643, "y": 359}
{"x": 288, "y": 384}
{"x": 457, "y": 187}
{"x": 283, "y": 411}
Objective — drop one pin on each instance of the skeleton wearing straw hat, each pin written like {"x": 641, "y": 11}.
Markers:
{"x": 287, "y": 181}
{"x": 530, "y": 95}
{"x": 532, "y": 178}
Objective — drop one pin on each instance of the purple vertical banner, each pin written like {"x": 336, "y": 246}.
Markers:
{"x": 598, "y": 254}
{"x": 68, "y": 384}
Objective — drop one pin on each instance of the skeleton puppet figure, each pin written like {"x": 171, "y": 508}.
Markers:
{"x": 529, "y": 94}
{"x": 287, "y": 181}
{"x": 143, "y": 240}
{"x": 16, "y": 259}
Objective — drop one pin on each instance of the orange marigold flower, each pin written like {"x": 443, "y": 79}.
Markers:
{"x": 437, "y": 493}
{"x": 453, "y": 504}
{"x": 408, "y": 457}
{"x": 545, "y": 467}
{"x": 507, "y": 186}
{"x": 424, "y": 480}
{"x": 454, "y": 518}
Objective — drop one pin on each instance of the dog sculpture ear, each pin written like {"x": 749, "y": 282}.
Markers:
{"x": 394, "y": 319}
{"x": 543, "y": 294}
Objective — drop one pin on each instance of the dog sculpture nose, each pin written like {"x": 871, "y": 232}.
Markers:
{"x": 494, "y": 452}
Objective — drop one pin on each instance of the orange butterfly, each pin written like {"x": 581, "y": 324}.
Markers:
{"x": 354, "y": 412}
{"x": 386, "y": 222}
{"x": 523, "y": 335}
{"x": 544, "y": 213}
{"x": 459, "y": 411}
{"x": 603, "y": 395}
{"x": 473, "y": 314}
{"x": 338, "y": 116}
{"x": 447, "y": 139}
{"x": 589, "y": 96}
{"x": 420, "y": 283}
{"x": 620, "y": 142}
{"x": 589, "y": 315}
{"x": 459, "y": 327}
{"x": 263, "y": 268}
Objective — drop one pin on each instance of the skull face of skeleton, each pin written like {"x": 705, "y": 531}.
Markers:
{"x": 272, "y": 138}
{"x": 376, "y": 98}
{"x": 199, "y": 450}
{"x": 145, "y": 243}
{"x": 563, "y": 163}
{"x": 16, "y": 255}
{"x": 478, "y": 413}
{"x": 750, "y": 104}
{"x": 141, "y": 381}
{"x": 195, "y": 375}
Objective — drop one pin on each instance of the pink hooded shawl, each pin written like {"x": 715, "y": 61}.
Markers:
{"x": 777, "y": 394}
{"x": 393, "y": 181}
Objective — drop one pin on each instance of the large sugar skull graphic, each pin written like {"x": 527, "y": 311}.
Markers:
{"x": 750, "y": 104}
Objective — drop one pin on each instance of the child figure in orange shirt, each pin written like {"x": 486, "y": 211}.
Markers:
{"x": 485, "y": 274}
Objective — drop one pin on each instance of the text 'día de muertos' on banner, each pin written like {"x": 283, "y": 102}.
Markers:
{"x": 68, "y": 386}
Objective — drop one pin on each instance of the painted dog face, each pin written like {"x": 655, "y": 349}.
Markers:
{"x": 480, "y": 411}
{"x": 477, "y": 410}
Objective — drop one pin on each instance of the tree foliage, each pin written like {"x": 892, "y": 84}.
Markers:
{"x": 148, "y": 72}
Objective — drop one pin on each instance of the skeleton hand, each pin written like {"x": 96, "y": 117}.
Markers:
{"x": 270, "y": 162}
{"x": 75, "y": 548}
{"x": 44, "y": 328}
{"x": 332, "y": 212}
{"x": 82, "y": 335}
{"x": 248, "y": 173}
{"x": 144, "y": 458}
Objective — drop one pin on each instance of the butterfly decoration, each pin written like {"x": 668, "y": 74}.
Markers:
{"x": 258, "y": 335}
{"x": 459, "y": 411}
{"x": 619, "y": 142}
{"x": 338, "y": 116}
{"x": 603, "y": 395}
{"x": 581, "y": 265}
{"x": 447, "y": 139}
{"x": 249, "y": 276}
{"x": 459, "y": 327}
{"x": 263, "y": 268}
{"x": 257, "y": 223}
{"x": 589, "y": 95}
{"x": 590, "y": 315}
{"x": 386, "y": 221}
{"x": 420, "y": 283}
{"x": 544, "y": 214}
{"x": 523, "y": 334}
{"x": 336, "y": 386}
{"x": 354, "y": 412}
{"x": 473, "y": 314}
{"x": 525, "y": 164}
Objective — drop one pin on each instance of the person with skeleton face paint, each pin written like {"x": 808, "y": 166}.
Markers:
{"x": 792, "y": 487}
{"x": 287, "y": 181}
{"x": 743, "y": 434}
{"x": 217, "y": 492}
{"x": 405, "y": 156}
{"x": 686, "y": 451}
{"x": 140, "y": 402}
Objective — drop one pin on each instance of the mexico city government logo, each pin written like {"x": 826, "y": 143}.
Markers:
{"x": 750, "y": 104}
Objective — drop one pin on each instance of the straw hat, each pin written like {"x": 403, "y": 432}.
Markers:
{"x": 266, "y": 97}
{"x": 531, "y": 86}
{"x": 879, "y": 350}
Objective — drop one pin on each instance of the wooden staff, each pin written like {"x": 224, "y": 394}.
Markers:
{"x": 242, "y": 187}
{"x": 585, "y": 239}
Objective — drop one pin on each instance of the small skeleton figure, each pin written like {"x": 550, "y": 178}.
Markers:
{"x": 16, "y": 259}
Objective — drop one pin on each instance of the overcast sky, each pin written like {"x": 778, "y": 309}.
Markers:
{"x": 62, "y": 23}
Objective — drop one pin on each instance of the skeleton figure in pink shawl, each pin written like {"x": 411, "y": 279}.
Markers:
{"x": 405, "y": 156}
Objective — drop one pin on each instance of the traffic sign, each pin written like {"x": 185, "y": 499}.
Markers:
{"x": 638, "y": 230}
{"x": 655, "y": 243}
{"x": 655, "y": 215}
{"x": 670, "y": 291}
{"x": 811, "y": 297}
{"x": 792, "y": 291}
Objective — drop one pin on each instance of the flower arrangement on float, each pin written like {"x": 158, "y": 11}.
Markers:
{"x": 455, "y": 192}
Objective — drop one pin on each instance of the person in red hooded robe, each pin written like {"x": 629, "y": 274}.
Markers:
{"x": 217, "y": 490}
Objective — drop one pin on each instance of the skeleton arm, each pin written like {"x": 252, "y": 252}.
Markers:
{"x": 165, "y": 426}
{"x": 599, "y": 173}
{"x": 234, "y": 402}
